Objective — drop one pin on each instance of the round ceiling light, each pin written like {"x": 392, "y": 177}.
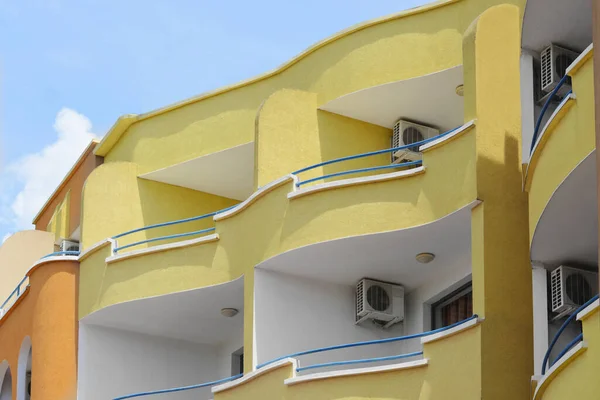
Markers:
{"x": 460, "y": 90}
{"x": 425, "y": 258}
{"x": 229, "y": 312}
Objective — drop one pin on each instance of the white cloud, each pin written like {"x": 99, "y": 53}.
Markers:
{"x": 38, "y": 174}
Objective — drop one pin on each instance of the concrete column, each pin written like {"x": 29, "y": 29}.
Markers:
{"x": 527, "y": 103}
{"x": 596, "y": 41}
{"x": 499, "y": 228}
{"x": 540, "y": 316}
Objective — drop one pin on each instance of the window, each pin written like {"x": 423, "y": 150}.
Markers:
{"x": 237, "y": 362}
{"x": 453, "y": 308}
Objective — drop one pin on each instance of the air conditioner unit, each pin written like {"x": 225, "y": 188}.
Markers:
{"x": 379, "y": 301}
{"x": 69, "y": 245}
{"x": 570, "y": 288}
{"x": 406, "y": 133}
{"x": 554, "y": 63}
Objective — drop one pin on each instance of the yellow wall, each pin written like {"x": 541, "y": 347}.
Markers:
{"x": 291, "y": 134}
{"x": 58, "y": 224}
{"x": 500, "y": 251}
{"x": 563, "y": 147}
{"x": 17, "y": 255}
{"x": 365, "y": 57}
{"x": 124, "y": 202}
{"x": 450, "y": 361}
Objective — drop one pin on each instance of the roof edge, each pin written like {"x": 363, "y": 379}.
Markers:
{"x": 125, "y": 121}
{"x": 93, "y": 143}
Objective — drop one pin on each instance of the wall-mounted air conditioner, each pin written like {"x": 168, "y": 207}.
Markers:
{"x": 379, "y": 301}
{"x": 570, "y": 288}
{"x": 69, "y": 245}
{"x": 406, "y": 133}
{"x": 554, "y": 61}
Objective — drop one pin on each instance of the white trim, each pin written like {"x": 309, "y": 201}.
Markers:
{"x": 355, "y": 181}
{"x": 162, "y": 247}
{"x": 95, "y": 247}
{"x": 581, "y": 346}
{"x": 578, "y": 59}
{"x": 583, "y": 314}
{"x": 239, "y": 207}
{"x": 256, "y": 373}
{"x": 550, "y": 120}
{"x": 50, "y": 259}
{"x": 448, "y": 136}
{"x": 452, "y": 331}
{"x": 356, "y": 371}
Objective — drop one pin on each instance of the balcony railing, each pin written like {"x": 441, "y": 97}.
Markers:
{"x": 322, "y": 365}
{"x": 571, "y": 344}
{"x": 14, "y": 296}
{"x": 61, "y": 253}
{"x": 369, "y": 154}
{"x": 366, "y": 343}
{"x": 178, "y": 389}
{"x": 167, "y": 237}
{"x": 538, "y": 123}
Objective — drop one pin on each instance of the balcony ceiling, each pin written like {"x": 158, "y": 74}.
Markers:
{"x": 430, "y": 100}
{"x": 563, "y": 22}
{"x": 228, "y": 173}
{"x": 193, "y": 315}
{"x": 567, "y": 232}
{"x": 387, "y": 256}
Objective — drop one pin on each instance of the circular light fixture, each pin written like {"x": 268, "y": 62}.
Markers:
{"x": 425, "y": 258}
{"x": 229, "y": 312}
{"x": 460, "y": 90}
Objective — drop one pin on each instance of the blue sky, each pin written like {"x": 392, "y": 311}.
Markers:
{"x": 70, "y": 68}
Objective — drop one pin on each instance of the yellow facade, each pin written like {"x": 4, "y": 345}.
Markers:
{"x": 476, "y": 175}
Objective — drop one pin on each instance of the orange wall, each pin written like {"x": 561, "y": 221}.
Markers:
{"x": 47, "y": 313}
{"x": 74, "y": 183}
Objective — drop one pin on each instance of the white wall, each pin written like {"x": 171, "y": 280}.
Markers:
{"x": 294, "y": 314}
{"x": 115, "y": 363}
{"x": 224, "y": 352}
{"x": 527, "y": 103}
{"x": 540, "y": 317}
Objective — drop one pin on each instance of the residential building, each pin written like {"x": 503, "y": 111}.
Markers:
{"x": 383, "y": 216}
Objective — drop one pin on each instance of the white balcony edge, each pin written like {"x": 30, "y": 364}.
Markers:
{"x": 447, "y": 137}
{"x": 583, "y": 314}
{"x": 356, "y": 371}
{"x": 452, "y": 331}
{"x": 258, "y": 193}
{"x": 355, "y": 181}
{"x": 579, "y": 58}
{"x": 162, "y": 247}
{"x": 256, "y": 373}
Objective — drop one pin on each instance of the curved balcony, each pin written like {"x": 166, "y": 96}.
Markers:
{"x": 572, "y": 374}
{"x": 561, "y": 176}
{"x": 280, "y": 217}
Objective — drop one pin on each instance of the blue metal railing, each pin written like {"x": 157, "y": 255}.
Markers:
{"x": 560, "y": 331}
{"x": 15, "y": 293}
{"x": 178, "y": 389}
{"x": 163, "y": 224}
{"x": 371, "y": 153}
{"x": 538, "y": 123}
{"x": 62, "y": 253}
{"x": 366, "y": 343}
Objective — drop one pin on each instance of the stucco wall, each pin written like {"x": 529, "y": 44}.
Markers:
{"x": 46, "y": 315}
{"x": 17, "y": 255}
{"x": 73, "y": 185}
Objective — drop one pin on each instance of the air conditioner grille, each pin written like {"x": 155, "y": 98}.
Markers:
{"x": 359, "y": 297}
{"x": 577, "y": 289}
{"x": 412, "y": 135}
{"x": 555, "y": 287}
{"x": 546, "y": 58}
{"x": 378, "y": 298}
